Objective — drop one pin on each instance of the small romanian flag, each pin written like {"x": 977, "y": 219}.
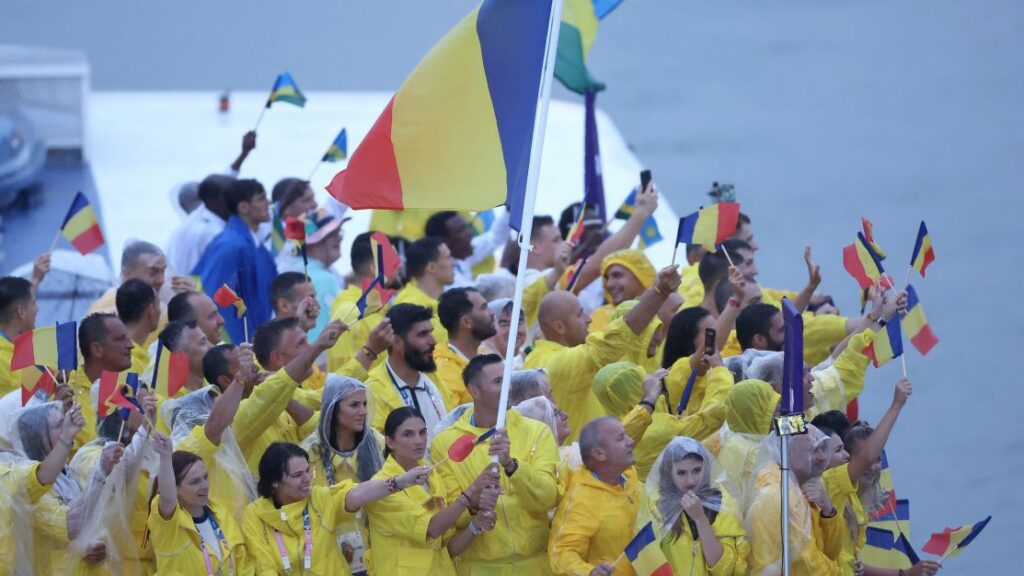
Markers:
{"x": 576, "y": 269}
{"x": 171, "y": 372}
{"x": 576, "y": 232}
{"x": 285, "y": 90}
{"x": 225, "y": 296}
{"x": 887, "y": 344}
{"x": 923, "y": 252}
{"x": 385, "y": 257}
{"x": 339, "y": 148}
{"x": 869, "y": 235}
{"x": 861, "y": 261}
{"x": 111, "y": 396}
{"x": 373, "y": 299}
{"x": 916, "y": 324}
{"x": 646, "y": 556}
{"x": 81, "y": 227}
{"x": 34, "y": 379}
{"x": 709, "y": 226}
{"x": 950, "y": 542}
{"x": 53, "y": 346}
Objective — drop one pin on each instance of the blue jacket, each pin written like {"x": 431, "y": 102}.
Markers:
{"x": 234, "y": 251}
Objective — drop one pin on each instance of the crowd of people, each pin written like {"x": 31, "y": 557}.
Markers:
{"x": 310, "y": 438}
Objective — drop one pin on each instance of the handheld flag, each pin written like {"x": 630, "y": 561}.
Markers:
{"x": 916, "y": 324}
{"x": 463, "y": 445}
{"x": 645, "y": 554}
{"x": 886, "y": 345}
{"x": 171, "y": 372}
{"x": 481, "y": 222}
{"x": 884, "y": 549}
{"x": 373, "y": 299}
{"x": 111, "y": 397}
{"x": 861, "y": 261}
{"x": 130, "y": 392}
{"x": 53, "y": 346}
{"x": 276, "y": 229}
{"x": 869, "y": 235}
{"x": 593, "y": 181}
{"x": 709, "y": 226}
{"x": 576, "y": 35}
{"x": 462, "y": 120}
{"x": 951, "y": 541}
{"x": 34, "y": 379}
{"x": 338, "y": 150}
{"x": 649, "y": 232}
{"x": 286, "y": 90}
{"x": 295, "y": 230}
{"x": 385, "y": 257}
{"x": 225, "y": 296}
{"x": 576, "y": 273}
{"x": 923, "y": 252}
{"x": 576, "y": 232}
{"x": 81, "y": 227}
{"x": 792, "y": 359}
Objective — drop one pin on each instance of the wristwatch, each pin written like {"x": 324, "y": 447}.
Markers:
{"x": 515, "y": 466}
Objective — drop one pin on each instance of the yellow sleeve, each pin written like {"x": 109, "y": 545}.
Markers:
{"x": 353, "y": 369}
{"x": 532, "y": 295}
{"x": 260, "y": 411}
{"x": 821, "y": 334}
{"x": 339, "y": 492}
{"x": 450, "y": 375}
{"x": 636, "y": 422}
{"x": 35, "y": 489}
{"x": 832, "y": 532}
{"x": 718, "y": 382}
{"x": 262, "y": 556}
{"x": 599, "y": 350}
{"x": 535, "y": 482}
{"x": 402, "y": 517}
{"x": 732, "y": 346}
{"x": 50, "y": 518}
{"x": 308, "y": 398}
{"x": 852, "y": 364}
{"x": 731, "y": 563}
{"x": 575, "y": 524}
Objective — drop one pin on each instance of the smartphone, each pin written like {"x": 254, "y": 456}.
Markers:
{"x": 709, "y": 341}
{"x": 645, "y": 179}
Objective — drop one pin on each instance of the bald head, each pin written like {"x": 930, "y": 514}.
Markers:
{"x": 562, "y": 318}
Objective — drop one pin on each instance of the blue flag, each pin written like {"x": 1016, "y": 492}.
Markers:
{"x": 793, "y": 360}
{"x": 593, "y": 181}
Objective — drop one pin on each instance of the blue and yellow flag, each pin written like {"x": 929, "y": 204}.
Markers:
{"x": 649, "y": 233}
{"x": 286, "y": 90}
{"x": 339, "y": 148}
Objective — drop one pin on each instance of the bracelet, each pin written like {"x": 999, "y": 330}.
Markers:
{"x": 735, "y": 302}
{"x": 373, "y": 355}
{"x": 881, "y": 322}
{"x": 872, "y": 317}
{"x": 392, "y": 484}
{"x": 467, "y": 504}
{"x": 648, "y": 404}
{"x": 659, "y": 292}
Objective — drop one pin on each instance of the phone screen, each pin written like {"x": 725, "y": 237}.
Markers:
{"x": 645, "y": 179}
{"x": 710, "y": 335}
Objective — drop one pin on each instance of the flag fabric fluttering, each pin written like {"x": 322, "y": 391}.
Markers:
{"x": 35, "y": 379}
{"x": 924, "y": 254}
{"x": 52, "y": 346}
{"x": 644, "y": 553}
{"x": 171, "y": 372}
{"x": 576, "y": 35}
{"x": 861, "y": 261}
{"x": 225, "y": 296}
{"x": 886, "y": 345}
{"x": 578, "y": 227}
{"x": 111, "y": 396}
{"x": 792, "y": 359}
{"x": 373, "y": 298}
{"x": 709, "y": 226}
{"x": 81, "y": 227}
{"x": 286, "y": 90}
{"x": 951, "y": 541}
{"x": 338, "y": 150}
{"x": 886, "y": 549}
{"x": 462, "y": 120}
{"x": 575, "y": 275}
{"x": 385, "y": 258}
{"x": 869, "y": 235}
{"x": 916, "y": 324}
{"x": 593, "y": 179}
{"x": 649, "y": 232}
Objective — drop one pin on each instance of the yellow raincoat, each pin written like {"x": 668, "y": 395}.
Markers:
{"x": 665, "y": 427}
{"x": 517, "y": 543}
{"x": 638, "y": 265}
{"x": 749, "y": 410}
{"x": 140, "y": 358}
{"x": 837, "y": 385}
{"x": 80, "y": 385}
{"x": 686, "y": 555}
{"x": 386, "y": 398}
{"x": 821, "y": 334}
{"x": 571, "y": 370}
{"x": 845, "y": 497}
{"x": 398, "y": 528}
{"x": 326, "y": 510}
{"x": 358, "y": 332}
{"x": 177, "y": 544}
{"x": 691, "y": 288}
{"x": 713, "y": 386}
{"x": 8, "y": 380}
{"x": 450, "y": 364}
{"x": 594, "y": 522}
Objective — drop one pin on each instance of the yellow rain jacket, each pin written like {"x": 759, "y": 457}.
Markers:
{"x": 261, "y": 420}
{"x": 837, "y": 384}
{"x": 691, "y": 288}
{"x": 177, "y": 544}
{"x": 450, "y": 364}
{"x": 8, "y": 380}
{"x": 665, "y": 427}
{"x": 749, "y": 410}
{"x": 638, "y": 265}
{"x": 571, "y": 370}
{"x": 386, "y": 397}
{"x": 821, "y": 334}
{"x": 686, "y": 554}
{"x": 326, "y": 510}
{"x": 358, "y": 332}
{"x": 140, "y": 358}
{"x": 639, "y": 356}
{"x": 845, "y": 497}
{"x": 619, "y": 387}
{"x": 411, "y": 294}
{"x": 398, "y": 528}
{"x": 226, "y": 468}
{"x": 80, "y": 385}
{"x": 16, "y": 482}
{"x": 713, "y": 386}
{"x": 594, "y": 522}
{"x": 517, "y": 543}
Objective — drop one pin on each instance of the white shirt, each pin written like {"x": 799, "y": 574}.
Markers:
{"x": 424, "y": 396}
{"x": 188, "y": 242}
{"x": 484, "y": 245}
{"x": 209, "y": 537}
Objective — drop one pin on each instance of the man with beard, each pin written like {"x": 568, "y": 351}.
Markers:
{"x": 760, "y": 326}
{"x": 408, "y": 377}
{"x": 469, "y": 321}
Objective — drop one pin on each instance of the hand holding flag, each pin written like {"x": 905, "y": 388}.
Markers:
{"x": 645, "y": 554}
{"x": 709, "y": 226}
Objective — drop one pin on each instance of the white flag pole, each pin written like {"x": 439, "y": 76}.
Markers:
{"x": 530, "y": 198}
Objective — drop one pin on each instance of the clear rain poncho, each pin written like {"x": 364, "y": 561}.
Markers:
{"x": 664, "y": 498}
{"x": 749, "y": 409}
{"x": 448, "y": 421}
{"x": 15, "y": 514}
{"x": 368, "y": 452}
{"x": 542, "y": 410}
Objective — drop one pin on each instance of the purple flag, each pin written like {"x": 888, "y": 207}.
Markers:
{"x": 593, "y": 181}
{"x": 793, "y": 360}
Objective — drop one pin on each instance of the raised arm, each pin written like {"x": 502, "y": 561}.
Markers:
{"x": 168, "y": 488}
{"x": 665, "y": 283}
{"x": 813, "y": 281}
{"x": 871, "y": 450}
{"x": 50, "y": 468}
{"x": 646, "y": 204}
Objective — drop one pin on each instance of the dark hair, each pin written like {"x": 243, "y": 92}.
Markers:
{"x": 181, "y": 462}
{"x": 13, "y": 290}
{"x": 180, "y": 308}
{"x": 396, "y": 418}
{"x": 722, "y": 294}
{"x": 540, "y": 222}
{"x": 743, "y": 219}
{"x": 283, "y": 285}
{"x": 568, "y": 217}
{"x": 437, "y": 224}
{"x": 404, "y": 316}
{"x": 681, "y": 332}
{"x": 453, "y": 305}
{"x": 274, "y": 465}
{"x": 286, "y": 191}
{"x": 753, "y": 320}
{"x": 213, "y": 186}
{"x": 173, "y": 335}
{"x": 476, "y": 367}
{"x": 133, "y": 298}
{"x": 242, "y": 191}
{"x": 93, "y": 329}
{"x": 693, "y": 248}
{"x": 361, "y": 254}
{"x": 109, "y": 427}
{"x": 714, "y": 268}
{"x": 734, "y": 245}
{"x": 421, "y": 253}
{"x": 833, "y": 420}
{"x": 268, "y": 337}
{"x": 215, "y": 363}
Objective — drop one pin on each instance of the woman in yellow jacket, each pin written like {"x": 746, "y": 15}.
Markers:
{"x": 414, "y": 532}
{"x": 190, "y": 533}
{"x": 293, "y": 527}
{"x": 697, "y": 522}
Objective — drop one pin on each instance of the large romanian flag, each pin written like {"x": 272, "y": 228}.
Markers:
{"x": 81, "y": 227}
{"x": 458, "y": 134}
{"x": 575, "y": 37}
{"x": 709, "y": 226}
{"x": 52, "y": 346}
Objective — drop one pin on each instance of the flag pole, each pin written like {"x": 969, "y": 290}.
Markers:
{"x": 785, "y": 503}
{"x": 245, "y": 326}
{"x": 260, "y": 118}
{"x": 906, "y": 280}
{"x": 727, "y": 257}
{"x": 530, "y": 199}
{"x": 313, "y": 171}
{"x": 674, "y": 252}
{"x": 56, "y": 238}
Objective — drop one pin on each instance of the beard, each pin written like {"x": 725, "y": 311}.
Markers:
{"x": 420, "y": 360}
{"x": 483, "y": 331}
